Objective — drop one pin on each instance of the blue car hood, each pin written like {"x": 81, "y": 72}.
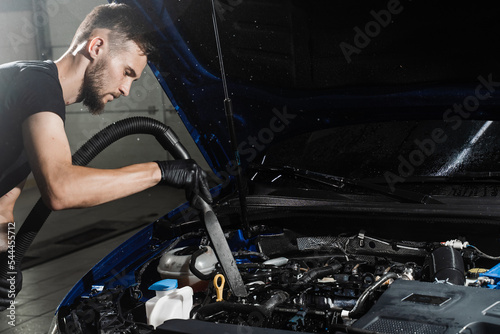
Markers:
{"x": 296, "y": 66}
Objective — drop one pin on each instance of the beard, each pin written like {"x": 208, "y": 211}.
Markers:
{"x": 93, "y": 83}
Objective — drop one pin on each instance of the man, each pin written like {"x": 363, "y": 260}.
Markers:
{"x": 108, "y": 52}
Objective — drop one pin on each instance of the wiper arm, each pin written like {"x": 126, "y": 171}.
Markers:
{"x": 340, "y": 182}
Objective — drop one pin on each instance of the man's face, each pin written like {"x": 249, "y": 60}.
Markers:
{"x": 108, "y": 77}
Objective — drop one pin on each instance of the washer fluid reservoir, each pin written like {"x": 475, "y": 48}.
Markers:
{"x": 170, "y": 302}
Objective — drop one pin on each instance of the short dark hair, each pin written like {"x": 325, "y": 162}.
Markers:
{"x": 124, "y": 23}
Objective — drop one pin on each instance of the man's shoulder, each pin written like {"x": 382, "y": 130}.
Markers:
{"x": 31, "y": 77}
{"x": 39, "y": 73}
{"x": 33, "y": 86}
{"x": 21, "y": 65}
{"x": 35, "y": 68}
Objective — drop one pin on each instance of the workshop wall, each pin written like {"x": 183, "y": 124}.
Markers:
{"x": 18, "y": 40}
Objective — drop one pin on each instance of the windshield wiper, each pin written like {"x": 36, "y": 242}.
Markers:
{"x": 340, "y": 182}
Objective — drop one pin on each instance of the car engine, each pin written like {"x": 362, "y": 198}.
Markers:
{"x": 313, "y": 284}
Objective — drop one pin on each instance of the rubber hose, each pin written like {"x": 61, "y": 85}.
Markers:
{"x": 95, "y": 145}
{"x": 133, "y": 125}
{"x": 265, "y": 309}
{"x": 358, "y": 307}
{"x": 278, "y": 298}
{"x": 195, "y": 271}
{"x": 317, "y": 273}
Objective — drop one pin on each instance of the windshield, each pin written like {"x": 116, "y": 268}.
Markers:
{"x": 394, "y": 150}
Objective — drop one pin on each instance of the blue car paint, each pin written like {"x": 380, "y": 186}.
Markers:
{"x": 114, "y": 263}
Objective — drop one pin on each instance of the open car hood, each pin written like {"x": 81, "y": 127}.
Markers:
{"x": 294, "y": 66}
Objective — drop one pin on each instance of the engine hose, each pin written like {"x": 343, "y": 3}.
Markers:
{"x": 318, "y": 273}
{"x": 265, "y": 310}
{"x": 195, "y": 271}
{"x": 484, "y": 255}
{"x": 364, "y": 296}
{"x": 95, "y": 145}
{"x": 242, "y": 253}
{"x": 278, "y": 298}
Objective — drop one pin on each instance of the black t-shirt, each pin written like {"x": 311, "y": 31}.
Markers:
{"x": 26, "y": 88}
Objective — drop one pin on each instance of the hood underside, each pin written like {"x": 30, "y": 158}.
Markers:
{"x": 294, "y": 66}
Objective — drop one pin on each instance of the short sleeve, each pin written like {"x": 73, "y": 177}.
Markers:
{"x": 36, "y": 90}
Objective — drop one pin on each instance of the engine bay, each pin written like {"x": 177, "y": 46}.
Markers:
{"x": 345, "y": 283}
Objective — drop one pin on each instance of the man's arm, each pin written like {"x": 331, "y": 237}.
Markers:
{"x": 63, "y": 185}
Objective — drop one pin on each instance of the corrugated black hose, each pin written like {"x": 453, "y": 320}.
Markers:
{"x": 95, "y": 145}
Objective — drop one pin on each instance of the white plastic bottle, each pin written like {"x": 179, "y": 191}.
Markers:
{"x": 169, "y": 303}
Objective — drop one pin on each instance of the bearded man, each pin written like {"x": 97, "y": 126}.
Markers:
{"x": 109, "y": 51}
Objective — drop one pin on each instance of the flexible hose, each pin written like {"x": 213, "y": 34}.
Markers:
{"x": 484, "y": 255}
{"x": 368, "y": 292}
{"x": 265, "y": 310}
{"x": 317, "y": 273}
{"x": 195, "y": 271}
{"x": 95, "y": 145}
{"x": 134, "y": 125}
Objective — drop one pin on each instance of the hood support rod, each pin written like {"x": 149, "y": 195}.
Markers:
{"x": 212, "y": 224}
{"x": 228, "y": 108}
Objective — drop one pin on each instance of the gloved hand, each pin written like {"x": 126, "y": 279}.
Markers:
{"x": 10, "y": 285}
{"x": 188, "y": 175}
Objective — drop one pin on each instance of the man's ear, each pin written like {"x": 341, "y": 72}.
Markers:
{"x": 94, "y": 47}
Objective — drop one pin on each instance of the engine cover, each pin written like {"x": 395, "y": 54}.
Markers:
{"x": 425, "y": 308}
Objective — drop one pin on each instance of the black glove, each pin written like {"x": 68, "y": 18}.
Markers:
{"x": 10, "y": 285}
{"x": 188, "y": 175}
